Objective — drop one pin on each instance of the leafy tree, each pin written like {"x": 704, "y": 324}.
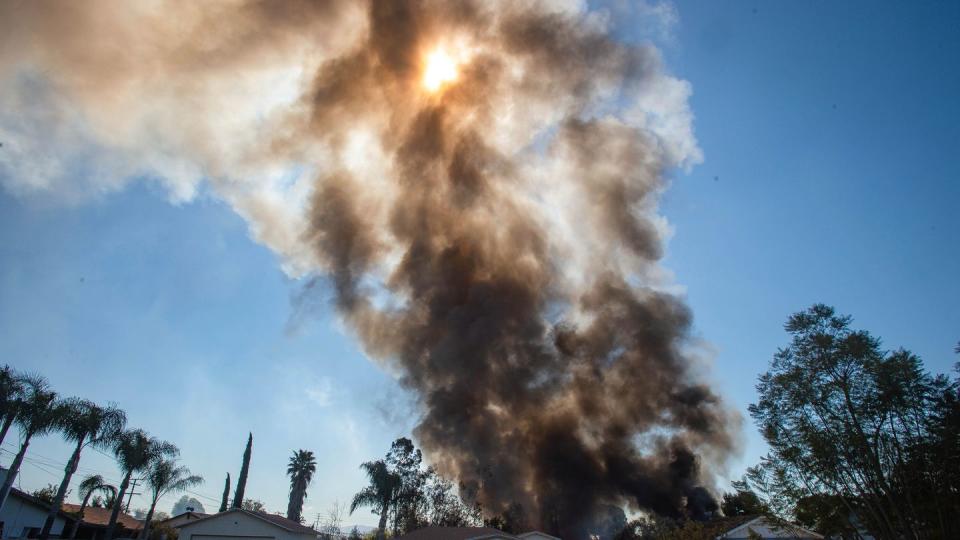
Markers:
{"x": 606, "y": 522}
{"x": 354, "y": 534}
{"x": 447, "y": 509}
{"x": 826, "y": 514}
{"x": 743, "y": 502}
{"x": 300, "y": 469}
{"x": 165, "y": 476}
{"x": 513, "y": 520}
{"x": 422, "y": 497}
{"x": 83, "y": 423}
{"x": 843, "y": 418}
{"x": 405, "y": 461}
{"x": 39, "y": 412}
{"x": 930, "y": 475}
{"x": 253, "y": 505}
{"x": 244, "y": 470}
{"x": 380, "y": 495}
{"x": 226, "y": 494}
{"x": 161, "y": 530}
{"x": 46, "y": 493}
{"x": 136, "y": 451}
{"x": 90, "y": 485}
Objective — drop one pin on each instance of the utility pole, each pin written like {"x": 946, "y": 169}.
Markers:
{"x": 131, "y": 493}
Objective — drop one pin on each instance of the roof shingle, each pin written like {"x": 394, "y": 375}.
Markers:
{"x": 101, "y": 516}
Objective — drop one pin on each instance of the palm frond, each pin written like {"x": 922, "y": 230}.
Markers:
{"x": 365, "y": 497}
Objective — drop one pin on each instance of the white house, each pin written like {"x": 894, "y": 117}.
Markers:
{"x": 23, "y": 515}
{"x": 766, "y": 528}
{"x": 240, "y": 524}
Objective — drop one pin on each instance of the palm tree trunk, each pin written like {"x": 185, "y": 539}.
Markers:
{"x": 295, "y": 506}
{"x": 7, "y": 422}
{"x": 14, "y": 469}
{"x": 382, "y": 527}
{"x": 76, "y": 524}
{"x": 145, "y": 531}
{"x": 62, "y": 492}
{"x": 117, "y": 505}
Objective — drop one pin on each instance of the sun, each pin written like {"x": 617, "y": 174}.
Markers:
{"x": 441, "y": 69}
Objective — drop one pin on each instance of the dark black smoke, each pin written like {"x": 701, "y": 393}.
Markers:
{"x": 563, "y": 399}
{"x": 495, "y": 241}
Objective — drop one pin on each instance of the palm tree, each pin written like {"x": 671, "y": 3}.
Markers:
{"x": 301, "y": 469}
{"x": 380, "y": 495}
{"x": 88, "y": 487}
{"x": 11, "y": 393}
{"x": 39, "y": 413}
{"x": 135, "y": 451}
{"x": 86, "y": 424}
{"x": 165, "y": 477}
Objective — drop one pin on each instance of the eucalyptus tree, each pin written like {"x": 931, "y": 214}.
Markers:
{"x": 300, "y": 469}
{"x": 165, "y": 476}
{"x": 380, "y": 495}
{"x": 83, "y": 423}
{"x": 90, "y": 485}
{"x": 39, "y": 412}
{"x": 135, "y": 451}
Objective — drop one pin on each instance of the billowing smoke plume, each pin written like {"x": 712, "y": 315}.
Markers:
{"x": 491, "y": 235}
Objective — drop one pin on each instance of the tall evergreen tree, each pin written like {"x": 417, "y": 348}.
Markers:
{"x": 226, "y": 494}
{"x": 242, "y": 480}
{"x": 301, "y": 468}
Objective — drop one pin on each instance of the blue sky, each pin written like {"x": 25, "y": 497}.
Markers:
{"x": 830, "y": 174}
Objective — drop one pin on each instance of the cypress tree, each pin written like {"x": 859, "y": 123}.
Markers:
{"x": 242, "y": 480}
{"x": 226, "y": 494}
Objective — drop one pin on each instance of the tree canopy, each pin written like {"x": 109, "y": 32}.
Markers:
{"x": 850, "y": 423}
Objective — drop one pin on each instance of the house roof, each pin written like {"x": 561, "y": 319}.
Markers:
{"x": 791, "y": 530}
{"x": 455, "y": 533}
{"x": 101, "y": 516}
{"x": 283, "y": 522}
{"x": 188, "y": 515}
{"x": 29, "y": 498}
{"x": 273, "y": 519}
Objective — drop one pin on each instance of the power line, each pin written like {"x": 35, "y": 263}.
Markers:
{"x": 131, "y": 493}
{"x": 37, "y": 460}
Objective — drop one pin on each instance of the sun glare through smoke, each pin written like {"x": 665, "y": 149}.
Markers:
{"x": 440, "y": 70}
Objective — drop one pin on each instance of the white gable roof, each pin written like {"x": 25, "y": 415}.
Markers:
{"x": 768, "y": 528}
